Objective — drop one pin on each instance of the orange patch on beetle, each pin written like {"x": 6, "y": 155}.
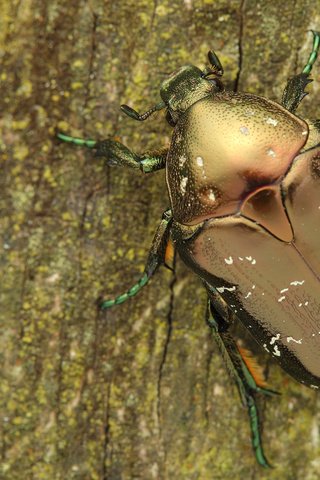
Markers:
{"x": 254, "y": 368}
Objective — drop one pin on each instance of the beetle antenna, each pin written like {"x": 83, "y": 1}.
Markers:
{"x": 313, "y": 56}
{"x": 215, "y": 63}
{"x": 134, "y": 114}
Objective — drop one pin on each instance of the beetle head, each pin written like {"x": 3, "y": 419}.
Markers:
{"x": 183, "y": 88}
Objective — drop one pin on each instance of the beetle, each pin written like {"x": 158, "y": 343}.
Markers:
{"x": 243, "y": 176}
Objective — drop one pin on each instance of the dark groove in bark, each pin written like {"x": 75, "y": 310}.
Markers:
{"x": 240, "y": 47}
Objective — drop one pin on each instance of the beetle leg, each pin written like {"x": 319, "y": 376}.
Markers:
{"x": 119, "y": 155}
{"x": 294, "y": 91}
{"x": 161, "y": 252}
{"x": 242, "y": 376}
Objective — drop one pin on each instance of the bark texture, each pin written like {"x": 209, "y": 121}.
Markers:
{"x": 139, "y": 392}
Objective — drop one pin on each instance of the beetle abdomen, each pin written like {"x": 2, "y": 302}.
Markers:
{"x": 271, "y": 285}
{"x": 224, "y": 148}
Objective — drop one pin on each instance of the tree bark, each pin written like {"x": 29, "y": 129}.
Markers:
{"x": 138, "y": 392}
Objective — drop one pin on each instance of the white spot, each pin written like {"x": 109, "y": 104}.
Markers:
{"x": 222, "y": 289}
{"x": 284, "y": 290}
{"x": 229, "y": 261}
{"x": 253, "y": 262}
{"x": 182, "y": 160}
{"x": 300, "y": 304}
{"x": 297, "y": 282}
{"x": 265, "y": 347}
{"x": 305, "y": 132}
{"x": 306, "y": 303}
{"x": 262, "y": 293}
{"x": 249, "y": 113}
{"x": 244, "y": 130}
{"x": 291, "y": 339}
{"x": 271, "y": 153}
{"x": 276, "y": 351}
{"x": 240, "y": 258}
{"x": 249, "y": 258}
{"x": 274, "y": 339}
{"x": 272, "y": 121}
{"x": 199, "y": 161}
{"x": 281, "y": 299}
{"x": 313, "y": 334}
{"x": 314, "y": 386}
{"x": 211, "y": 195}
{"x": 248, "y": 295}
{"x": 183, "y": 185}
{"x": 253, "y": 287}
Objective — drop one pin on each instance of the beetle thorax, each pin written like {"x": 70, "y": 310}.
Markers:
{"x": 225, "y": 148}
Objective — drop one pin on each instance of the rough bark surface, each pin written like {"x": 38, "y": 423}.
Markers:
{"x": 139, "y": 392}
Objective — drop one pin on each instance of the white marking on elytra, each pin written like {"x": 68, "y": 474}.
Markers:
{"x": 274, "y": 339}
{"x": 281, "y": 299}
{"x": 276, "y": 351}
{"x": 291, "y": 339}
{"x": 272, "y": 121}
{"x": 314, "y": 386}
{"x": 182, "y": 160}
{"x": 271, "y": 153}
{"x": 253, "y": 287}
{"x": 183, "y": 185}
{"x": 305, "y": 132}
{"x": 284, "y": 290}
{"x": 306, "y": 303}
{"x": 297, "y": 282}
{"x": 244, "y": 130}
{"x": 248, "y": 295}
{"x": 199, "y": 161}
{"x": 265, "y": 347}
{"x": 300, "y": 305}
{"x": 229, "y": 261}
{"x": 249, "y": 258}
{"x": 313, "y": 334}
{"x": 240, "y": 258}
{"x": 253, "y": 262}
{"x": 222, "y": 289}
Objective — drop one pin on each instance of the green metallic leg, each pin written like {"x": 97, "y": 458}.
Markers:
{"x": 294, "y": 91}
{"x": 157, "y": 257}
{"x": 240, "y": 373}
{"x": 119, "y": 155}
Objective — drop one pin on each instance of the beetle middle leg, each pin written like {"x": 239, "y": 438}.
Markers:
{"x": 117, "y": 154}
{"x": 161, "y": 253}
{"x": 241, "y": 374}
{"x": 294, "y": 91}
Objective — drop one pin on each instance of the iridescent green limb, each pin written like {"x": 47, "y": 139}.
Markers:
{"x": 294, "y": 91}
{"x": 238, "y": 370}
{"x": 77, "y": 141}
{"x": 313, "y": 55}
{"x": 155, "y": 259}
{"x": 119, "y": 155}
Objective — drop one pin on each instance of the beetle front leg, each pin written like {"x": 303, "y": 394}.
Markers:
{"x": 245, "y": 381}
{"x": 294, "y": 91}
{"x": 119, "y": 155}
{"x": 161, "y": 253}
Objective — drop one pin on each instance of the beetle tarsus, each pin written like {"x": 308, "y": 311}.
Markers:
{"x": 157, "y": 257}
{"x": 76, "y": 141}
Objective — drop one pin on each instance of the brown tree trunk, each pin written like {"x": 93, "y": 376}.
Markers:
{"x": 139, "y": 392}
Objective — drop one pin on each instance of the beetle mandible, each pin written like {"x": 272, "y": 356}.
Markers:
{"x": 243, "y": 175}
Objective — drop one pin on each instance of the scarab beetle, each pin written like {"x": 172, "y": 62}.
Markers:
{"x": 243, "y": 175}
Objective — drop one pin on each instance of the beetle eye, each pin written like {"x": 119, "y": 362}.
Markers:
{"x": 216, "y": 83}
{"x": 170, "y": 120}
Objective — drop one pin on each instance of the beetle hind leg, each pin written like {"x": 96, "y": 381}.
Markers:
{"x": 294, "y": 91}
{"x": 161, "y": 252}
{"x": 244, "y": 379}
